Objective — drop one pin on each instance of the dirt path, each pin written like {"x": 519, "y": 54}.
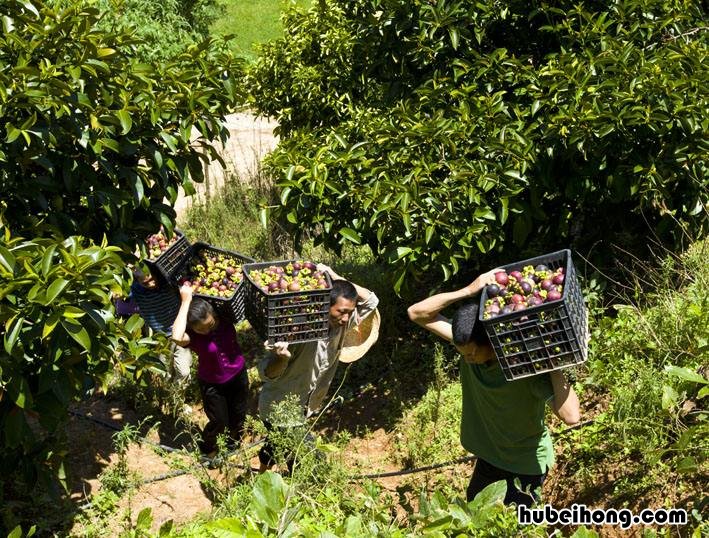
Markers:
{"x": 179, "y": 498}
{"x": 250, "y": 139}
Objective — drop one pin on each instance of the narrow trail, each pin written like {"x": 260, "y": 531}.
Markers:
{"x": 250, "y": 139}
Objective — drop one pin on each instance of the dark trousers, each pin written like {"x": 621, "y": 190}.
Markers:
{"x": 225, "y": 406}
{"x": 486, "y": 474}
{"x": 267, "y": 454}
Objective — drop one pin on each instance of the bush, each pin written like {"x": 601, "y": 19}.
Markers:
{"x": 437, "y": 132}
{"x": 60, "y": 340}
{"x": 652, "y": 359}
{"x": 92, "y": 144}
{"x": 92, "y": 141}
{"x": 164, "y": 29}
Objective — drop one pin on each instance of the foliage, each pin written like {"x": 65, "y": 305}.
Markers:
{"x": 483, "y": 516}
{"x": 92, "y": 146}
{"x": 437, "y": 132}
{"x": 59, "y": 338}
{"x": 143, "y": 524}
{"x": 94, "y": 142}
{"x": 119, "y": 478}
{"x": 647, "y": 369}
{"x": 17, "y": 532}
{"x": 163, "y": 29}
{"x": 118, "y": 481}
{"x": 366, "y": 513}
{"x": 652, "y": 359}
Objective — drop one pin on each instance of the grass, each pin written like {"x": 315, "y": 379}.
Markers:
{"x": 253, "y": 22}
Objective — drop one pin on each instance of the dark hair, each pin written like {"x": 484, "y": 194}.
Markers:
{"x": 199, "y": 311}
{"x": 150, "y": 270}
{"x": 342, "y": 288}
{"x": 466, "y": 327}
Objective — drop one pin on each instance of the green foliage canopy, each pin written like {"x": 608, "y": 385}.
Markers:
{"x": 59, "y": 336}
{"x": 163, "y": 28}
{"x": 93, "y": 148}
{"x": 93, "y": 142}
{"x": 437, "y": 131}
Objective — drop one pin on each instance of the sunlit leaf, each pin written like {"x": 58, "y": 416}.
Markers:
{"x": 78, "y": 333}
{"x": 55, "y": 288}
{"x": 125, "y": 119}
{"x": 351, "y": 235}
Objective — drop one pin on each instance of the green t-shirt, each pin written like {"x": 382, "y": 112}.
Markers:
{"x": 503, "y": 421}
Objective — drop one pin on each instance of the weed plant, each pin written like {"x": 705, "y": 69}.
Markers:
{"x": 119, "y": 478}
{"x": 118, "y": 481}
{"x": 429, "y": 433}
{"x": 636, "y": 356}
{"x": 650, "y": 363}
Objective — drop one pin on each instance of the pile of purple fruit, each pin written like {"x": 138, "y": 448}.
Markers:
{"x": 213, "y": 274}
{"x": 519, "y": 290}
{"x": 158, "y": 243}
{"x": 295, "y": 276}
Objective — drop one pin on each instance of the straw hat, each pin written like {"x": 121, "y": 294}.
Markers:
{"x": 359, "y": 338}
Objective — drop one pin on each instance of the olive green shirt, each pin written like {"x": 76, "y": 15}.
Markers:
{"x": 503, "y": 421}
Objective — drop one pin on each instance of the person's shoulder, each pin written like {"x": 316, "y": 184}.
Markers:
{"x": 136, "y": 288}
{"x": 372, "y": 299}
{"x": 540, "y": 386}
{"x": 166, "y": 290}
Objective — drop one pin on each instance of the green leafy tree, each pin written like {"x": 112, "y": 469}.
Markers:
{"x": 60, "y": 339}
{"x": 93, "y": 142}
{"x": 438, "y": 131}
{"x": 163, "y": 28}
{"x": 94, "y": 146}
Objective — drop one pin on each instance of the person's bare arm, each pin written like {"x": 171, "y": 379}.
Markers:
{"x": 565, "y": 403}
{"x": 179, "y": 327}
{"x": 427, "y": 313}
{"x": 362, "y": 293}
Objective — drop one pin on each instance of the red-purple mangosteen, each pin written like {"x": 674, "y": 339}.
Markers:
{"x": 547, "y": 284}
{"x": 553, "y": 295}
{"x": 501, "y": 278}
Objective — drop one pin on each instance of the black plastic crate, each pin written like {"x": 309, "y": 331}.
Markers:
{"x": 165, "y": 265}
{"x": 291, "y": 316}
{"x": 231, "y": 308}
{"x": 545, "y": 337}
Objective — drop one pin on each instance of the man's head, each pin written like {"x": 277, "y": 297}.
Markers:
{"x": 469, "y": 337}
{"x": 343, "y": 300}
{"x": 201, "y": 317}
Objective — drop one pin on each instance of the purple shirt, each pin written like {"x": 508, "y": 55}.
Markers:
{"x": 220, "y": 357}
{"x": 125, "y": 308}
